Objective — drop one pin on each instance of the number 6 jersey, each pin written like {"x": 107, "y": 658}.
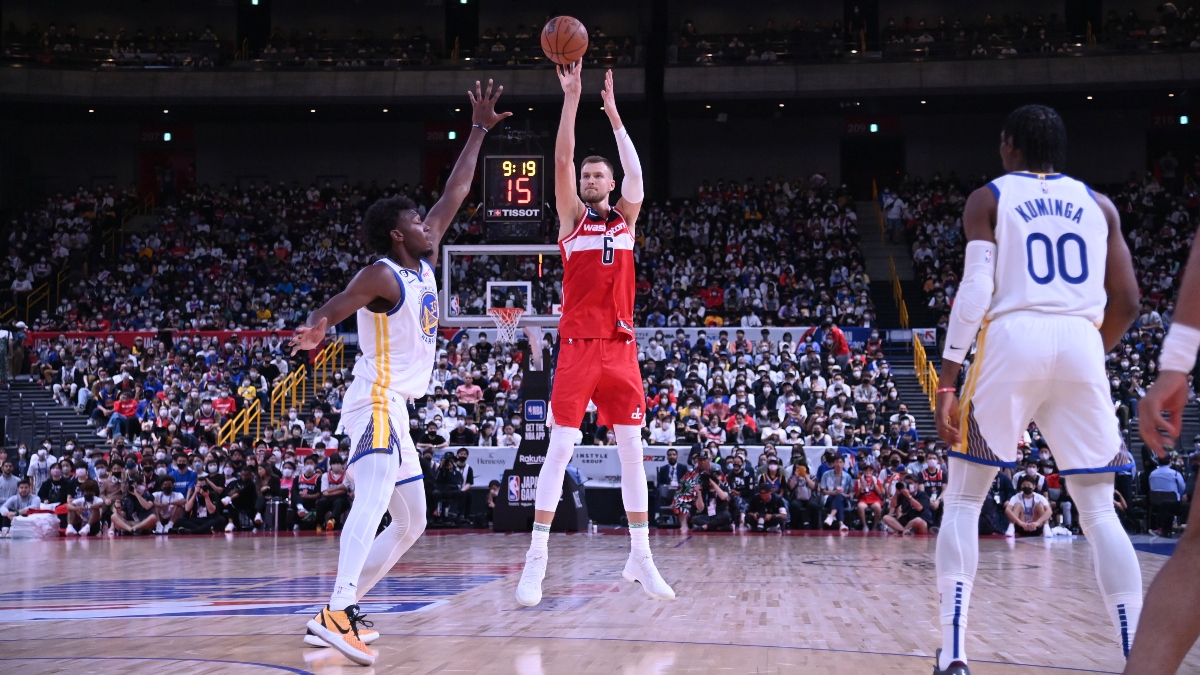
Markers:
{"x": 599, "y": 281}
{"x": 1051, "y": 247}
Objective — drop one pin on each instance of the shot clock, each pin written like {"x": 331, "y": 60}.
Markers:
{"x": 513, "y": 188}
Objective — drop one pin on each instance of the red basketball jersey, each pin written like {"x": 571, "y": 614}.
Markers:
{"x": 599, "y": 282}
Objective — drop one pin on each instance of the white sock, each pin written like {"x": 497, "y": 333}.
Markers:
{"x": 955, "y": 597}
{"x": 539, "y": 547}
{"x": 957, "y": 555}
{"x": 1117, "y": 569}
{"x": 374, "y": 478}
{"x": 639, "y": 539}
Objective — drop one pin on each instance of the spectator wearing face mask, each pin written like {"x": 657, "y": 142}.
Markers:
{"x": 137, "y": 515}
{"x": 83, "y": 512}
{"x": 335, "y": 495}
{"x": 463, "y": 433}
{"x": 40, "y": 464}
{"x": 1028, "y": 511}
{"x": 509, "y": 438}
{"x": 168, "y": 506}
{"x": 306, "y": 491}
{"x": 836, "y": 487}
{"x": 802, "y": 493}
{"x": 869, "y": 492}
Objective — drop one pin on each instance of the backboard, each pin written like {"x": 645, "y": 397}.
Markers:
{"x": 478, "y": 277}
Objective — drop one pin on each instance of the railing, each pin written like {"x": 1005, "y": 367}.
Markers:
{"x": 36, "y": 296}
{"x": 926, "y": 374}
{"x": 284, "y": 396}
{"x": 898, "y": 293}
{"x": 329, "y": 360}
{"x": 116, "y": 236}
{"x": 240, "y": 424}
{"x": 8, "y": 315}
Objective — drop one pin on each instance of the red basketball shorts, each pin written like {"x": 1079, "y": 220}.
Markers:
{"x": 603, "y": 371}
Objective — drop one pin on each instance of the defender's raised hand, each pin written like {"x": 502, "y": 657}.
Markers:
{"x": 568, "y": 77}
{"x": 483, "y": 106}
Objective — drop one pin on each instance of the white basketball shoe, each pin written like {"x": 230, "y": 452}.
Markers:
{"x": 529, "y": 588}
{"x": 643, "y": 571}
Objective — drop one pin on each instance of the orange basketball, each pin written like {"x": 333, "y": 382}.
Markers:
{"x": 564, "y": 40}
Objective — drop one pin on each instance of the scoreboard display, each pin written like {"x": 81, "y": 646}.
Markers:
{"x": 512, "y": 188}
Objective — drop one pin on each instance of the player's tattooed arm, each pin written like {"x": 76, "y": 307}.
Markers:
{"x": 375, "y": 288}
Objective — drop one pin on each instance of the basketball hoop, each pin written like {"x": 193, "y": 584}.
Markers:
{"x": 506, "y": 319}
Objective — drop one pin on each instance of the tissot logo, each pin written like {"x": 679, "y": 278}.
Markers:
{"x": 517, "y": 213}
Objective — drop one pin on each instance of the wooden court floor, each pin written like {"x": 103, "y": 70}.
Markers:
{"x": 747, "y": 604}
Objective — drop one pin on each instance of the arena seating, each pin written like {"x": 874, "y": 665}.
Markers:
{"x": 789, "y": 40}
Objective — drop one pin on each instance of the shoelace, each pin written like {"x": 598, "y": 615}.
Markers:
{"x": 357, "y": 619}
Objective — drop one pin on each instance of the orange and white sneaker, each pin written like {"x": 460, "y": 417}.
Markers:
{"x": 339, "y": 629}
{"x": 313, "y": 640}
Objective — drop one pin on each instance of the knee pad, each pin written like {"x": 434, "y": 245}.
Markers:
{"x": 633, "y": 472}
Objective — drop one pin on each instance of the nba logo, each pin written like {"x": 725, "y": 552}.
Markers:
{"x": 1045, "y": 188}
{"x": 514, "y": 489}
{"x": 535, "y": 411}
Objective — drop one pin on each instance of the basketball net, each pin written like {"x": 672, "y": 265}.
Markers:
{"x": 506, "y": 319}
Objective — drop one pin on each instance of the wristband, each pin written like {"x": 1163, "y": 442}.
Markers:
{"x": 946, "y": 390}
{"x": 1179, "y": 348}
{"x": 480, "y": 126}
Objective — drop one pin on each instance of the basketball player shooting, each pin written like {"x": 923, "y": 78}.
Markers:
{"x": 395, "y": 300}
{"x": 1048, "y": 289}
{"x": 1172, "y": 613}
{"x": 598, "y": 355}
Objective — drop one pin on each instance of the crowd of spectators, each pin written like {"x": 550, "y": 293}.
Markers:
{"x": 1009, "y": 35}
{"x": 314, "y": 48}
{"x": 160, "y": 48}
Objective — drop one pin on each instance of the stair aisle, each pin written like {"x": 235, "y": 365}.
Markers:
{"x": 31, "y": 414}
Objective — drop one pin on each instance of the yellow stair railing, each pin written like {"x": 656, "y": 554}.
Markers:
{"x": 329, "y": 360}
{"x": 291, "y": 391}
{"x": 926, "y": 374}
{"x": 240, "y": 424}
{"x": 8, "y": 315}
{"x": 284, "y": 395}
{"x": 36, "y": 296}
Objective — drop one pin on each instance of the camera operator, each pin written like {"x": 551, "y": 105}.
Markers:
{"x": 713, "y": 499}
{"x": 201, "y": 515}
{"x": 910, "y": 512}
{"x": 448, "y": 483}
{"x": 689, "y": 497}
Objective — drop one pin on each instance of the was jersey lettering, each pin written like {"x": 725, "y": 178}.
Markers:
{"x": 398, "y": 347}
{"x": 598, "y": 285}
{"x": 1051, "y": 247}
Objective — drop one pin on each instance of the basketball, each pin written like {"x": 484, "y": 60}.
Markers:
{"x": 564, "y": 39}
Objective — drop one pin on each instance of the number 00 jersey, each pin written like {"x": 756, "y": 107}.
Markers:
{"x": 399, "y": 346}
{"x": 1051, "y": 247}
{"x": 598, "y": 278}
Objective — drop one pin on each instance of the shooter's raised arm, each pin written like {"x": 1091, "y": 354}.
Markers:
{"x": 565, "y": 197}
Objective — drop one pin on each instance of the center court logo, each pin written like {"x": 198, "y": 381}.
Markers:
{"x": 429, "y": 316}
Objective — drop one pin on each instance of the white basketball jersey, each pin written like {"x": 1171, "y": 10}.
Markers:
{"x": 1051, "y": 247}
{"x": 399, "y": 347}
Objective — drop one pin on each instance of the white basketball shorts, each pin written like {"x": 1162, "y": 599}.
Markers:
{"x": 376, "y": 420}
{"x": 1048, "y": 368}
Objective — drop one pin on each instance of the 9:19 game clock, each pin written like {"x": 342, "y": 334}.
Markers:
{"x": 513, "y": 188}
